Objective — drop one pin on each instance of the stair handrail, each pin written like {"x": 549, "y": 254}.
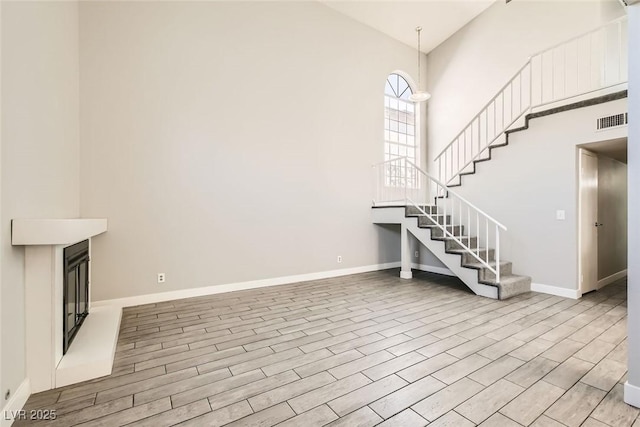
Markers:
{"x": 494, "y": 137}
{"x": 440, "y": 191}
{"x": 465, "y": 155}
{"x": 455, "y": 193}
{"x": 440, "y": 183}
{"x": 482, "y": 109}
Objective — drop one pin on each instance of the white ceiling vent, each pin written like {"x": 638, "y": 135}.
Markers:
{"x": 614, "y": 121}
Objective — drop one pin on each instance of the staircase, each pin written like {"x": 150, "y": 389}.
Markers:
{"x": 462, "y": 236}
{"x": 584, "y": 70}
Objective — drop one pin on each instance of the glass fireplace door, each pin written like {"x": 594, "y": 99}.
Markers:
{"x": 76, "y": 290}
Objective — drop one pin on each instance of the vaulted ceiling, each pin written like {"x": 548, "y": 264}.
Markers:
{"x": 439, "y": 19}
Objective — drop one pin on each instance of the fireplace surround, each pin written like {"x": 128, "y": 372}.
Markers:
{"x": 92, "y": 351}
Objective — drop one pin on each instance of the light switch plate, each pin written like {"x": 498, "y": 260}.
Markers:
{"x": 560, "y": 215}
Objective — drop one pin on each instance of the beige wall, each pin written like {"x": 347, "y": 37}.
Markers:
{"x": 469, "y": 68}
{"x": 40, "y": 146}
{"x": 612, "y": 212}
{"x": 230, "y": 141}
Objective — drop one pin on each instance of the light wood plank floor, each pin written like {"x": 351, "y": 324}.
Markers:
{"x": 362, "y": 350}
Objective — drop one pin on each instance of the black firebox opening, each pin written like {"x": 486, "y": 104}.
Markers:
{"x": 76, "y": 290}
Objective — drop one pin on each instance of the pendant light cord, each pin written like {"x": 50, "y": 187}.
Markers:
{"x": 419, "y": 95}
{"x": 418, "y": 29}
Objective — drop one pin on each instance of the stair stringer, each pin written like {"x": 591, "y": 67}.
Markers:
{"x": 451, "y": 261}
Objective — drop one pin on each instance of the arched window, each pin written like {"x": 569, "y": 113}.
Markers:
{"x": 399, "y": 122}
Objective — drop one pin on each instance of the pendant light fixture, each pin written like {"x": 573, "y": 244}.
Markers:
{"x": 419, "y": 95}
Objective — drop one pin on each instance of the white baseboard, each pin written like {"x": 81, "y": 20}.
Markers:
{"x": 610, "y": 279}
{"x": 433, "y": 269}
{"x": 230, "y": 287}
{"x": 15, "y": 404}
{"x": 555, "y": 290}
{"x": 632, "y": 394}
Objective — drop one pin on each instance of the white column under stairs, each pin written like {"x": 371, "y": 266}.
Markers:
{"x": 405, "y": 253}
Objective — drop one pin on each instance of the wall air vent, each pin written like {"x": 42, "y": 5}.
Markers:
{"x": 616, "y": 120}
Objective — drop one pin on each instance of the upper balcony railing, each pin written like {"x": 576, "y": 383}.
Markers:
{"x": 586, "y": 64}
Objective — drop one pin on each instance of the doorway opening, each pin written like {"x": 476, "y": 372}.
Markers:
{"x": 602, "y": 213}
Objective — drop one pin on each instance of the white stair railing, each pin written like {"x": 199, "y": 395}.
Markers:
{"x": 396, "y": 181}
{"x": 401, "y": 182}
{"x": 594, "y": 61}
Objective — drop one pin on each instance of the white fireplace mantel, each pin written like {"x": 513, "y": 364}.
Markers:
{"x": 55, "y": 231}
{"x": 92, "y": 351}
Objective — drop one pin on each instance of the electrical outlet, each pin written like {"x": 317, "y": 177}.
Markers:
{"x": 7, "y": 395}
{"x": 161, "y": 277}
{"x": 339, "y": 259}
{"x": 417, "y": 254}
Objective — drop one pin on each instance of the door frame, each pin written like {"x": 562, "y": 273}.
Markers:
{"x": 582, "y": 151}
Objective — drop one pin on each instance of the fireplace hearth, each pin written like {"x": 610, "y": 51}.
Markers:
{"x": 75, "y": 291}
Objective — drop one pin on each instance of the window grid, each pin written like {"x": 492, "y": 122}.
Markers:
{"x": 399, "y": 132}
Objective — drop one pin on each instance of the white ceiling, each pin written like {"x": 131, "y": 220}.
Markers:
{"x": 439, "y": 19}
